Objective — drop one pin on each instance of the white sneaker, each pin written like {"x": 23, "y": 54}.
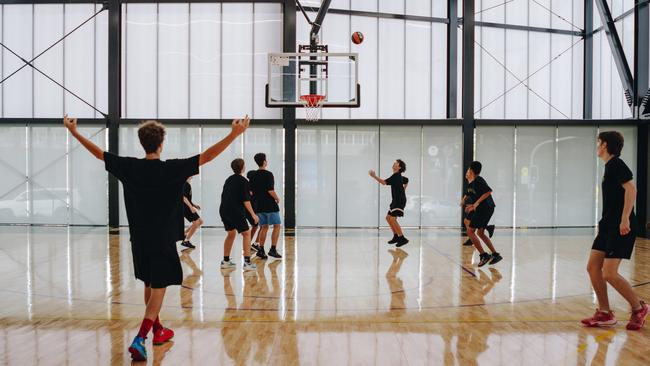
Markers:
{"x": 249, "y": 266}
{"x": 227, "y": 265}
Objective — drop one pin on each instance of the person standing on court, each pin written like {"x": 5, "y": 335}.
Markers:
{"x": 190, "y": 212}
{"x": 266, "y": 207}
{"x": 398, "y": 184}
{"x": 479, "y": 213}
{"x": 153, "y": 189}
{"x": 234, "y": 207}
{"x": 616, "y": 236}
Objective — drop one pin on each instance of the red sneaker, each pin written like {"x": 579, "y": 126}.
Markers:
{"x": 637, "y": 319}
{"x": 162, "y": 336}
{"x": 600, "y": 319}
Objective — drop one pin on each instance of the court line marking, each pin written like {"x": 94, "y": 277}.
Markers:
{"x": 314, "y": 310}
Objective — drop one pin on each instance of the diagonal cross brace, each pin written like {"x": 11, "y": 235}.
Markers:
{"x": 27, "y": 63}
{"x": 320, "y": 17}
{"x": 30, "y": 63}
{"x": 617, "y": 50}
{"x": 52, "y": 80}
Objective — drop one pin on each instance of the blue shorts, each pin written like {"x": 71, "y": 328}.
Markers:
{"x": 269, "y": 218}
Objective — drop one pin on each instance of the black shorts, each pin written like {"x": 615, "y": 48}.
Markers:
{"x": 480, "y": 218}
{"x": 396, "y": 211}
{"x": 615, "y": 245}
{"x": 157, "y": 264}
{"x": 234, "y": 221}
{"x": 190, "y": 216}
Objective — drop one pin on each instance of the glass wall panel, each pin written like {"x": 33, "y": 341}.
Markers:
{"x": 205, "y": 61}
{"x": 401, "y": 143}
{"x": 357, "y": 198}
{"x": 495, "y": 148}
{"x": 535, "y": 176}
{"x": 316, "y": 176}
{"x": 173, "y": 60}
{"x": 442, "y": 172}
{"x": 48, "y": 28}
{"x": 576, "y": 176}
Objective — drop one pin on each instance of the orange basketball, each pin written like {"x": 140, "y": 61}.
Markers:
{"x": 357, "y": 37}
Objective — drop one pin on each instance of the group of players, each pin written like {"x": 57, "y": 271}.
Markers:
{"x": 154, "y": 190}
{"x": 478, "y": 206}
{"x": 243, "y": 201}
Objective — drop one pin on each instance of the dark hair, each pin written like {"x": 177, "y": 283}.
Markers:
{"x": 260, "y": 158}
{"x": 614, "y": 141}
{"x": 237, "y": 165}
{"x": 152, "y": 135}
{"x": 402, "y": 165}
{"x": 476, "y": 167}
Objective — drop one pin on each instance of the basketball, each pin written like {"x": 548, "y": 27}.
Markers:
{"x": 357, "y": 37}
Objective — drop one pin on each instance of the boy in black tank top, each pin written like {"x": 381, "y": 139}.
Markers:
{"x": 398, "y": 185}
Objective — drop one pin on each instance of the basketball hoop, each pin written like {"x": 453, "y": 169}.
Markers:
{"x": 313, "y": 104}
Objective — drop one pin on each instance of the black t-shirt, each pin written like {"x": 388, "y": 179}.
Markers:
{"x": 153, "y": 191}
{"x": 398, "y": 193}
{"x": 616, "y": 174}
{"x": 261, "y": 183}
{"x": 187, "y": 191}
{"x": 236, "y": 191}
{"x": 476, "y": 189}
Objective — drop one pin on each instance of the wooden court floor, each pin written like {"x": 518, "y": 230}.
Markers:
{"x": 68, "y": 297}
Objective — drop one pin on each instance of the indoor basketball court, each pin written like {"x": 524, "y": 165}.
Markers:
{"x": 306, "y": 182}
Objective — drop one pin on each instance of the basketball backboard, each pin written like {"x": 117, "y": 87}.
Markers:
{"x": 334, "y": 76}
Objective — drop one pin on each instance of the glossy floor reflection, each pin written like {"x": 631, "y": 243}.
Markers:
{"x": 68, "y": 296}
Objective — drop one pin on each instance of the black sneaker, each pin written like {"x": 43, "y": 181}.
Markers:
{"x": 401, "y": 241}
{"x": 260, "y": 253}
{"x": 187, "y": 244}
{"x": 485, "y": 258}
{"x": 394, "y": 239}
{"x": 490, "y": 230}
{"x": 468, "y": 243}
{"x": 496, "y": 258}
{"x": 255, "y": 247}
{"x": 274, "y": 253}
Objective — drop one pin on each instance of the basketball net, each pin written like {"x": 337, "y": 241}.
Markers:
{"x": 313, "y": 104}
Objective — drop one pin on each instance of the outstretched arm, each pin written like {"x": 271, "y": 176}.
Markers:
{"x": 375, "y": 177}
{"x": 238, "y": 127}
{"x": 71, "y": 125}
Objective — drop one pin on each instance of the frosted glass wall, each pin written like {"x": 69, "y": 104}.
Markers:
{"x": 357, "y": 199}
{"x": 550, "y": 176}
{"x": 334, "y": 189}
{"x": 525, "y": 74}
{"x": 316, "y": 176}
{"x": 541, "y": 176}
{"x": 79, "y": 62}
{"x": 495, "y": 148}
{"x": 198, "y": 60}
{"x": 608, "y": 95}
{"x": 402, "y": 64}
{"x": 48, "y": 178}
